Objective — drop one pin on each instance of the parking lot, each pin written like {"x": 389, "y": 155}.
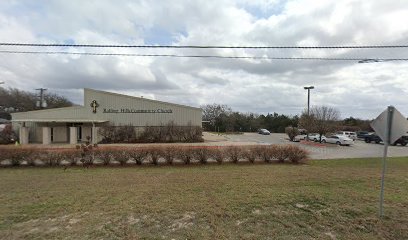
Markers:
{"x": 360, "y": 149}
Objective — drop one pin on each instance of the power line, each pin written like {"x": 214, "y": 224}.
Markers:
{"x": 361, "y": 60}
{"x": 200, "y": 46}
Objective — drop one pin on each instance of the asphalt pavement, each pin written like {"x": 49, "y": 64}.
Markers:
{"x": 360, "y": 149}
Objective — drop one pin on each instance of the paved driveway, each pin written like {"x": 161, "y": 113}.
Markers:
{"x": 328, "y": 151}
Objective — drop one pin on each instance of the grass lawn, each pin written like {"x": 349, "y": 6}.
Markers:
{"x": 326, "y": 199}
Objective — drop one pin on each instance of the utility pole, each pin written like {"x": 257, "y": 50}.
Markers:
{"x": 41, "y": 103}
{"x": 308, "y": 98}
{"x": 308, "y": 106}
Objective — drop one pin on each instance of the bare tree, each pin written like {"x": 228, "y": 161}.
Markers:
{"x": 321, "y": 120}
{"x": 212, "y": 111}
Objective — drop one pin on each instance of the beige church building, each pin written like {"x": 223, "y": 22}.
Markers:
{"x": 73, "y": 124}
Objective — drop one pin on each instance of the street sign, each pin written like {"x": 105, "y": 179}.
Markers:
{"x": 399, "y": 125}
{"x": 389, "y": 126}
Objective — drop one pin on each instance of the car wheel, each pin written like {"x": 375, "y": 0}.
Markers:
{"x": 377, "y": 141}
{"x": 323, "y": 141}
{"x": 338, "y": 143}
{"x": 367, "y": 140}
{"x": 315, "y": 140}
{"x": 404, "y": 144}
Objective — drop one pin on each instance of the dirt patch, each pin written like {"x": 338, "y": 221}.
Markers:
{"x": 184, "y": 222}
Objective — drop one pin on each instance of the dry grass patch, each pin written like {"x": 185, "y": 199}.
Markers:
{"x": 332, "y": 199}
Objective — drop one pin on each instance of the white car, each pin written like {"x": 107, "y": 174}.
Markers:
{"x": 299, "y": 137}
{"x": 315, "y": 137}
{"x": 351, "y": 135}
{"x": 339, "y": 140}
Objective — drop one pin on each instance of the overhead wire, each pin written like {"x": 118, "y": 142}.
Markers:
{"x": 199, "y": 46}
{"x": 205, "y": 56}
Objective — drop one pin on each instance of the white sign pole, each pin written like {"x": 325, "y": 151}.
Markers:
{"x": 390, "y": 111}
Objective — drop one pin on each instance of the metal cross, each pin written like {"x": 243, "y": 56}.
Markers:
{"x": 94, "y": 105}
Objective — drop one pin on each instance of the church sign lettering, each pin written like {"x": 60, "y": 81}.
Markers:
{"x": 132, "y": 110}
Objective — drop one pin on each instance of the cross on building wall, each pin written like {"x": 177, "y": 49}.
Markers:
{"x": 94, "y": 105}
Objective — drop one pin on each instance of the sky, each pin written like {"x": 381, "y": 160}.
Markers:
{"x": 246, "y": 85}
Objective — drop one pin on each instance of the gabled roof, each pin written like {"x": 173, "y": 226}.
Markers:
{"x": 138, "y": 98}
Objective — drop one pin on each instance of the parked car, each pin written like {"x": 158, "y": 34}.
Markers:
{"x": 299, "y": 137}
{"x": 264, "y": 131}
{"x": 351, "y": 135}
{"x": 302, "y": 131}
{"x": 362, "y": 134}
{"x": 403, "y": 141}
{"x": 372, "y": 138}
{"x": 339, "y": 140}
{"x": 315, "y": 137}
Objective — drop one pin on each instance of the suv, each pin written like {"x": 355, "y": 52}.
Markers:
{"x": 372, "y": 138}
{"x": 362, "y": 134}
{"x": 351, "y": 135}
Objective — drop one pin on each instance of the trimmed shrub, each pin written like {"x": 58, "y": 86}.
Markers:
{"x": 15, "y": 156}
{"x": 155, "y": 153}
{"x": 52, "y": 157}
{"x": 234, "y": 153}
{"x": 249, "y": 153}
{"x": 281, "y": 153}
{"x": 296, "y": 154}
{"x": 138, "y": 154}
{"x": 264, "y": 153}
{"x": 218, "y": 154}
{"x": 121, "y": 155}
{"x": 72, "y": 156}
{"x": 105, "y": 155}
{"x": 185, "y": 154}
{"x": 201, "y": 154}
{"x": 169, "y": 153}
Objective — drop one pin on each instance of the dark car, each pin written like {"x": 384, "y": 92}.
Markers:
{"x": 362, "y": 134}
{"x": 403, "y": 141}
{"x": 372, "y": 138}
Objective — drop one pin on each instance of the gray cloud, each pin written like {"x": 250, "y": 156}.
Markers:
{"x": 361, "y": 90}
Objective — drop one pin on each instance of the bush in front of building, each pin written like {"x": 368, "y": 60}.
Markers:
{"x": 218, "y": 154}
{"x": 202, "y": 154}
{"x": 185, "y": 154}
{"x": 249, "y": 154}
{"x": 170, "y": 154}
{"x": 168, "y": 133}
{"x": 154, "y": 154}
{"x": 7, "y": 135}
{"x": 139, "y": 155}
{"x": 233, "y": 153}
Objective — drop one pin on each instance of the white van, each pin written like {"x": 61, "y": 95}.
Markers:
{"x": 352, "y": 135}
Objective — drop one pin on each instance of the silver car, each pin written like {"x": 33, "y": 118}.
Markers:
{"x": 264, "y": 131}
{"x": 339, "y": 140}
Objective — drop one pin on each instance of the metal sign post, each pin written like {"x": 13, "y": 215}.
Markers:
{"x": 390, "y": 111}
{"x": 390, "y": 125}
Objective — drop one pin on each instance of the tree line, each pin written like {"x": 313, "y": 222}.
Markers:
{"x": 221, "y": 118}
{"x": 15, "y": 100}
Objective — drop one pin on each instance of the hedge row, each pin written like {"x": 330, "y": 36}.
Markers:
{"x": 154, "y": 155}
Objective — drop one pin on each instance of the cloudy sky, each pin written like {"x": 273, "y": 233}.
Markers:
{"x": 247, "y": 85}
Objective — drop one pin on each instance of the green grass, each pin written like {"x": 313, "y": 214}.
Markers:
{"x": 326, "y": 199}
